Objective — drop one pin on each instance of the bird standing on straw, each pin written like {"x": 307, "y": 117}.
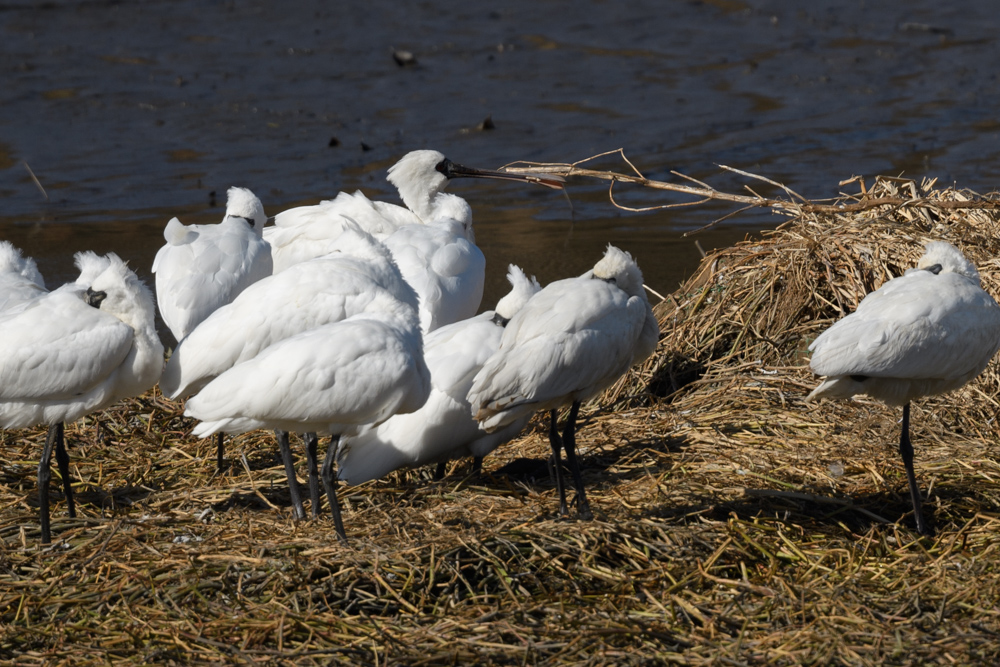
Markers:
{"x": 926, "y": 332}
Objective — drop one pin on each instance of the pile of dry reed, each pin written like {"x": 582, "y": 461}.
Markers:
{"x": 735, "y": 524}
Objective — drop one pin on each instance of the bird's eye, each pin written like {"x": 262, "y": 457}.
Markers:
{"x": 444, "y": 166}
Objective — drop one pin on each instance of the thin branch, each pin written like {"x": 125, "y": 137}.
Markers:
{"x": 705, "y": 192}
{"x": 791, "y": 193}
{"x": 34, "y": 178}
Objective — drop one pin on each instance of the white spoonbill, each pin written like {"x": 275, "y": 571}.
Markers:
{"x": 329, "y": 380}
{"x": 71, "y": 352}
{"x": 203, "y": 267}
{"x": 308, "y": 295}
{"x": 420, "y": 177}
{"x": 926, "y": 332}
{"x": 444, "y": 427}
{"x": 570, "y": 341}
{"x": 20, "y": 280}
{"x": 361, "y": 277}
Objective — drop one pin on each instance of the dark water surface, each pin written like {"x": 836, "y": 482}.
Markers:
{"x": 132, "y": 112}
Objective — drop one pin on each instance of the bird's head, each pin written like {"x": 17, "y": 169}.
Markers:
{"x": 523, "y": 288}
{"x": 421, "y": 175}
{"x": 242, "y": 203}
{"x": 418, "y": 179}
{"x": 119, "y": 292}
{"x": 90, "y": 265}
{"x": 618, "y": 267}
{"x": 943, "y": 257}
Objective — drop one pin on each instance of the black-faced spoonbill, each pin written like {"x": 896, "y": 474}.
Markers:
{"x": 926, "y": 332}
{"x": 357, "y": 278}
{"x": 444, "y": 427}
{"x": 74, "y": 351}
{"x": 329, "y": 380}
{"x": 420, "y": 177}
{"x": 203, "y": 267}
{"x": 568, "y": 343}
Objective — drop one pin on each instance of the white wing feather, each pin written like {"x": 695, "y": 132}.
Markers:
{"x": 207, "y": 270}
{"x": 305, "y": 296}
{"x": 569, "y": 342}
{"x": 446, "y": 270}
{"x": 330, "y": 379}
{"x": 917, "y": 326}
{"x": 454, "y": 354}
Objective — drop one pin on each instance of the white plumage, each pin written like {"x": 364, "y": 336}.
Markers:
{"x": 570, "y": 341}
{"x": 360, "y": 284}
{"x": 20, "y": 280}
{"x": 420, "y": 177}
{"x": 203, "y": 267}
{"x": 302, "y": 233}
{"x": 73, "y": 351}
{"x": 926, "y": 332}
{"x": 90, "y": 265}
{"x": 358, "y": 278}
{"x": 331, "y": 379}
{"x": 441, "y": 261}
{"x": 444, "y": 427}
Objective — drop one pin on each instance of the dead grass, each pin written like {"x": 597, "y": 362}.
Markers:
{"x": 736, "y": 524}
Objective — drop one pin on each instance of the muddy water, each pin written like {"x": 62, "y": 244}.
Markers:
{"x": 130, "y": 113}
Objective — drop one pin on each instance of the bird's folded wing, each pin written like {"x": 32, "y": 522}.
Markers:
{"x": 455, "y": 353}
{"x": 908, "y": 337}
{"x": 456, "y": 258}
{"x": 59, "y": 349}
{"x": 304, "y": 297}
{"x": 540, "y": 364}
{"x": 345, "y": 371}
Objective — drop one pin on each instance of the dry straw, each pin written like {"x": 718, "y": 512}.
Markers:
{"x": 736, "y": 524}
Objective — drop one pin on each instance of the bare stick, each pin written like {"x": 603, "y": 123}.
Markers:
{"x": 35, "y": 179}
{"x": 705, "y": 192}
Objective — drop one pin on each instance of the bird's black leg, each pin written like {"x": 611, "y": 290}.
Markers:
{"x": 906, "y": 451}
{"x": 569, "y": 444}
{"x": 44, "y": 476}
{"x": 312, "y": 440}
{"x": 293, "y": 483}
{"x": 439, "y": 470}
{"x": 477, "y": 465}
{"x": 331, "y": 487}
{"x": 556, "y": 442}
{"x": 220, "y": 460}
{"x": 62, "y": 458}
